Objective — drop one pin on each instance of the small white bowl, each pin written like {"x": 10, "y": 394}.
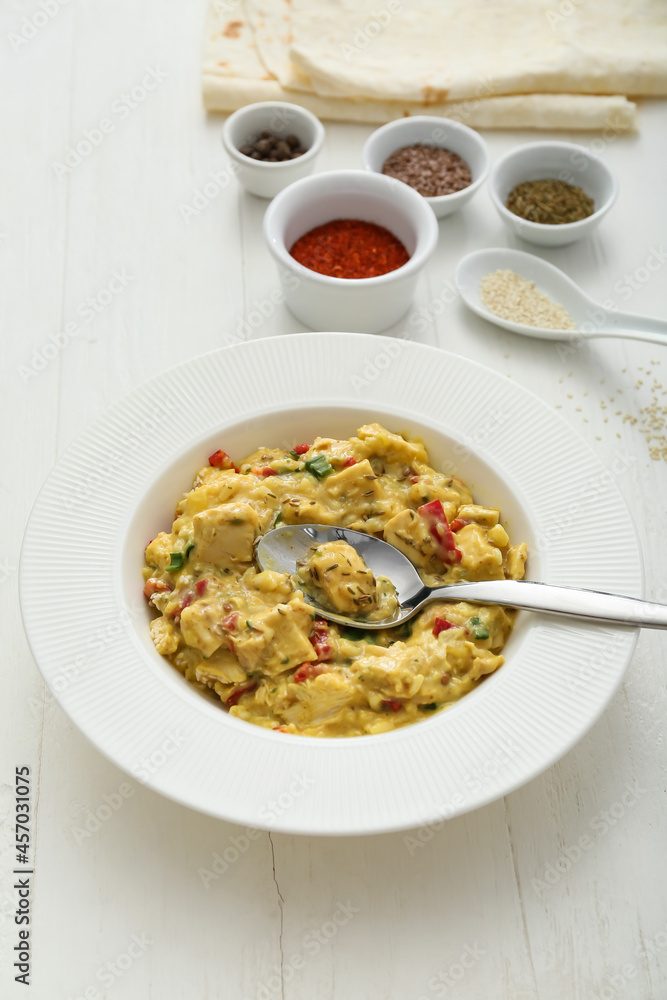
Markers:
{"x": 359, "y": 305}
{"x": 261, "y": 177}
{"x": 564, "y": 161}
{"x": 431, "y": 131}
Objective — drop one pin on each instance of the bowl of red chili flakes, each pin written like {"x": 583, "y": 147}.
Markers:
{"x": 350, "y": 246}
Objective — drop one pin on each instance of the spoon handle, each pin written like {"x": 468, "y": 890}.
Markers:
{"x": 631, "y": 327}
{"x": 572, "y": 601}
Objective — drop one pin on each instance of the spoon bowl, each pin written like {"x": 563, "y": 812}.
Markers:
{"x": 283, "y": 548}
{"x": 590, "y": 317}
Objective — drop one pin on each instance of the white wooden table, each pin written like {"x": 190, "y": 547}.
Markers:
{"x": 560, "y": 890}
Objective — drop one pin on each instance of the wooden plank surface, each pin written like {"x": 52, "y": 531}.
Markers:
{"x": 502, "y": 904}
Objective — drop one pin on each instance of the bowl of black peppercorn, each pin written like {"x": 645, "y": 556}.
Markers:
{"x": 271, "y": 144}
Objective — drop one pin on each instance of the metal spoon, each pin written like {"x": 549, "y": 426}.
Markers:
{"x": 591, "y": 318}
{"x": 282, "y": 548}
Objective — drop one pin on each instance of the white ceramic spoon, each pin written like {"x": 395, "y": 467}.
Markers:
{"x": 592, "y": 319}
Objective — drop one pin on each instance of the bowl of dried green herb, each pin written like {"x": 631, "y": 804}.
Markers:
{"x": 552, "y": 193}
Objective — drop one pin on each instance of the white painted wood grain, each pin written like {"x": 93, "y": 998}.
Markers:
{"x": 455, "y": 912}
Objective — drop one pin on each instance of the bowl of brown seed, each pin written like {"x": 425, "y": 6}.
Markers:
{"x": 552, "y": 193}
{"x": 271, "y": 144}
{"x": 444, "y": 161}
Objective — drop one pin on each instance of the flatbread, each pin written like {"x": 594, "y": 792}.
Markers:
{"x": 235, "y": 75}
{"x": 437, "y": 50}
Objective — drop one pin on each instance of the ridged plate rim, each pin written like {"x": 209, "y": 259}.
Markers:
{"x": 461, "y": 759}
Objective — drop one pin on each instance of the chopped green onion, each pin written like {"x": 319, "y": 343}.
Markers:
{"x": 479, "y": 629}
{"x": 430, "y": 707}
{"x": 319, "y": 466}
{"x": 277, "y": 519}
{"x": 175, "y": 560}
{"x": 296, "y": 455}
{"x": 189, "y": 549}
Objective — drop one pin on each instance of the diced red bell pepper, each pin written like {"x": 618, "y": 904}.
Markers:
{"x": 154, "y": 586}
{"x": 200, "y": 586}
{"x": 441, "y": 625}
{"x": 301, "y": 449}
{"x": 320, "y": 640}
{"x": 434, "y": 515}
{"x": 267, "y": 472}
{"x": 458, "y": 523}
{"x": 306, "y": 671}
{"x": 185, "y": 603}
{"x": 280, "y": 729}
{"x": 393, "y": 704}
{"x": 230, "y": 622}
{"x": 414, "y": 479}
{"x": 348, "y": 462}
{"x": 237, "y": 692}
{"x": 221, "y": 460}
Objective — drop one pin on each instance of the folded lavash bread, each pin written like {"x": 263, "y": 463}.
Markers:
{"x": 235, "y": 74}
{"x": 437, "y": 50}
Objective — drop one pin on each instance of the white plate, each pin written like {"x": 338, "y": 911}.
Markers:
{"x": 117, "y": 485}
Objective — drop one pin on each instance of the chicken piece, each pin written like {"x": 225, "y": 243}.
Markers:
{"x": 409, "y": 533}
{"x": 480, "y": 559}
{"x": 379, "y": 441}
{"x": 356, "y": 482}
{"x": 222, "y": 667}
{"x": 396, "y": 671}
{"x": 158, "y": 551}
{"x": 201, "y": 626}
{"x": 516, "y": 561}
{"x": 296, "y": 510}
{"x": 343, "y": 578}
{"x": 164, "y": 635}
{"x": 485, "y": 662}
{"x": 225, "y": 534}
{"x": 212, "y": 488}
{"x": 432, "y": 486}
{"x": 276, "y": 639}
{"x": 487, "y": 516}
{"x": 319, "y": 699}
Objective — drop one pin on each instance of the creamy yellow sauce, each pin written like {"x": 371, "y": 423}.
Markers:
{"x": 250, "y": 636}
